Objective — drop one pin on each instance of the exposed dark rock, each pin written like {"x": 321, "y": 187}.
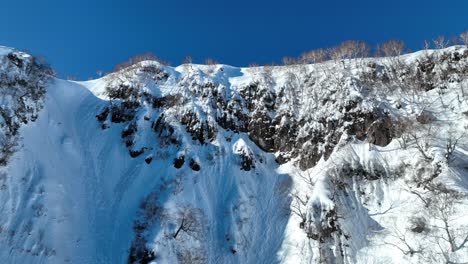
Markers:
{"x": 282, "y": 158}
{"x": 148, "y": 159}
{"x": 129, "y": 130}
{"x": 258, "y": 109}
{"x": 103, "y": 115}
{"x": 418, "y": 225}
{"x": 194, "y": 165}
{"x": 122, "y": 91}
{"x": 15, "y": 60}
{"x": 201, "y": 131}
{"x": 121, "y": 114}
{"x": 380, "y": 132}
{"x": 141, "y": 256}
{"x": 357, "y": 170}
{"x": 23, "y": 82}
{"x": 156, "y": 72}
{"x": 247, "y": 162}
{"x": 262, "y": 131}
{"x": 179, "y": 162}
{"x": 166, "y": 101}
{"x": 136, "y": 153}
{"x": 425, "y": 117}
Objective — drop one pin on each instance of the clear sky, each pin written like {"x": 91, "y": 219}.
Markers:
{"x": 80, "y": 37}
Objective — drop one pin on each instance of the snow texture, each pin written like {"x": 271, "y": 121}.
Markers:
{"x": 347, "y": 161}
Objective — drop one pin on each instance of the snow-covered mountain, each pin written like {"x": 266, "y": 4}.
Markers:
{"x": 345, "y": 161}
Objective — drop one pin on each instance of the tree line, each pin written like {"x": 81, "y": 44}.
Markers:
{"x": 350, "y": 49}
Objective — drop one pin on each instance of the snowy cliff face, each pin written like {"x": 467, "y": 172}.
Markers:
{"x": 352, "y": 161}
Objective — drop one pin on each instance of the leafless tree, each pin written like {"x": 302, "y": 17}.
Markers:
{"x": 350, "y": 49}
{"x": 289, "y": 61}
{"x": 187, "y": 65}
{"x": 422, "y": 145}
{"x": 401, "y": 241}
{"x": 317, "y": 57}
{"x": 267, "y": 75}
{"x": 189, "y": 221}
{"x": 210, "y": 61}
{"x": 464, "y": 37}
{"x": 402, "y": 128}
{"x": 451, "y": 144}
{"x": 426, "y": 45}
{"x": 306, "y": 176}
{"x": 314, "y": 56}
{"x": 336, "y": 53}
{"x": 187, "y": 60}
{"x": 449, "y": 234}
{"x": 392, "y": 48}
{"x": 298, "y": 207}
{"x": 440, "y": 42}
{"x": 139, "y": 58}
{"x": 355, "y": 49}
{"x": 211, "y": 65}
{"x": 300, "y": 201}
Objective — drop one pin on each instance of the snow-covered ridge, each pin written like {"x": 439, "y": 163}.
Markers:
{"x": 350, "y": 161}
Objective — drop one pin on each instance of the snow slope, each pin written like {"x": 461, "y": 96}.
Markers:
{"x": 217, "y": 164}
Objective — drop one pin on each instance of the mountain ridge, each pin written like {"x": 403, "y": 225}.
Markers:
{"x": 218, "y": 164}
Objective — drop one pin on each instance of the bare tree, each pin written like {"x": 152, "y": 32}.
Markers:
{"x": 422, "y": 145}
{"x": 401, "y": 129}
{"x": 464, "y": 37}
{"x": 148, "y": 56}
{"x": 401, "y": 242}
{"x": 426, "y": 45}
{"x": 189, "y": 221}
{"x": 314, "y": 56}
{"x": 187, "y": 65}
{"x": 355, "y": 49}
{"x": 187, "y": 60}
{"x": 289, "y": 61}
{"x": 392, "y": 48}
{"x": 440, "y": 42}
{"x": 211, "y": 65}
{"x": 336, "y": 53}
{"x": 449, "y": 234}
{"x": 451, "y": 145}
{"x": 298, "y": 207}
{"x": 210, "y": 61}
{"x": 299, "y": 201}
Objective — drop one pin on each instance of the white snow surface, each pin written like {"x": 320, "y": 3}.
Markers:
{"x": 71, "y": 193}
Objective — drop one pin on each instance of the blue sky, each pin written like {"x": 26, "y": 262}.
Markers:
{"x": 80, "y": 37}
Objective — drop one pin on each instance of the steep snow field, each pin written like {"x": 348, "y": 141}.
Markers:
{"x": 217, "y": 164}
